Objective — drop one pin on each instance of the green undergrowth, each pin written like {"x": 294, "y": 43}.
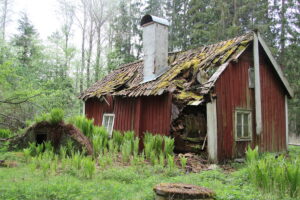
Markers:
{"x": 70, "y": 178}
{"x": 5, "y": 133}
{"x": 116, "y": 183}
{"x": 276, "y": 174}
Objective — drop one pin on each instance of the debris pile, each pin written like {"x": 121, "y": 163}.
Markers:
{"x": 189, "y": 129}
{"x": 195, "y": 163}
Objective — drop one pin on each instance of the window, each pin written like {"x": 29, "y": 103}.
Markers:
{"x": 108, "y": 122}
{"x": 243, "y": 125}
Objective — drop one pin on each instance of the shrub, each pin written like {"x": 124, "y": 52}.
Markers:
{"x": 85, "y": 125}
{"x": 162, "y": 159}
{"x": 153, "y": 158}
{"x": 63, "y": 152}
{"x": 158, "y": 144}
{"x": 5, "y": 133}
{"x": 56, "y": 116}
{"x": 42, "y": 117}
{"x": 171, "y": 162}
{"x": 272, "y": 173}
{"x": 118, "y": 139}
{"x": 293, "y": 178}
{"x": 48, "y": 146}
{"x": 88, "y": 167}
{"x": 76, "y": 160}
{"x": 252, "y": 154}
{"x": 183, "y": 161}
{"x": 27, "y": 154}
{"x": 136, "y": 146}
{"x": 101, "y": 131}
{"x": 126, "y": 151}
{"x": 169, "y": 145}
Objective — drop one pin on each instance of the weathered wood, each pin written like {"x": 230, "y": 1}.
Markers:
{"x": 179, "y": 191}
{"x": 212, "y": 136}
{"x": 257, "y": 90}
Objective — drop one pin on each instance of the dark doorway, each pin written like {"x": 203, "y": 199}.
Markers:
{"x": 41, "y": 138}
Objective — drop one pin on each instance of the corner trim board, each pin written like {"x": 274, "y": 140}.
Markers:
{"x": 286, "y": 122}
{"x": 212, "y": 137}
{"x": 275, "y": 64}
{"x": 258, "y": 115}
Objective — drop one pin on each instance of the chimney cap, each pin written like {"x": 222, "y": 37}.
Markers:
{"x": 150, "y": 18}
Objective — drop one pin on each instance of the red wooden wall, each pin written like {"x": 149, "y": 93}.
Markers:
{"x": 140, "y": 114}
{"x": 233, "y": 92}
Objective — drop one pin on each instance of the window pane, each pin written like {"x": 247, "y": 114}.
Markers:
{"x": 246, "y": 131}
{"x": 239, "y": 119}
{"x": 239, "y": 125}
{"x": 246, "y": 125}
{"x": 105, "y": 122}
{"x": 239, "y": 131}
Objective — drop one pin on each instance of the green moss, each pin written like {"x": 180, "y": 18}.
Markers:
{"x": 179, "y": 83}
{"x": 228, "y": 54}
{"x": 188, "y": 95}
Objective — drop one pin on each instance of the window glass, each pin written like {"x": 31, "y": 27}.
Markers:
{"x": 108, "y": 122}
{"x": 239, "y": 125}
{"x": 243, "y": 125}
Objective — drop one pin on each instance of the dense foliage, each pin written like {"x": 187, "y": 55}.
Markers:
{"x": 274, "y": 173}
{"x": 36, "y": 75}
{"x": 71, "y": 175}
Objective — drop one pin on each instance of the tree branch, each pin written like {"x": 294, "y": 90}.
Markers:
{"x": 14, "y": 101}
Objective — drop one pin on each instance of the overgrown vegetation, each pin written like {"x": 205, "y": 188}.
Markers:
{"x": 60, "y": 176}
{"x": 5, "y": 133}
{"x": 274, "y": 174}
{"x": 118, "y": 164}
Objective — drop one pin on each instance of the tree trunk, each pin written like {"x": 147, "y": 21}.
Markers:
{"x": 88, "y": 65}
{"x": 98, "y": 54}
{"x": 282, "y": 35}
{"x": 83, "y": 50}
{"x": 4, "y": 18}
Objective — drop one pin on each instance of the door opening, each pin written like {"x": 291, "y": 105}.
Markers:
{"x": 41, "y": 138}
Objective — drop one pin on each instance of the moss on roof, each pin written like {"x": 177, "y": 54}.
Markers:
{"x": 181, "y": 77}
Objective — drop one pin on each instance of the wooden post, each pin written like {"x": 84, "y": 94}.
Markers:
{"x": 258, "y": 115}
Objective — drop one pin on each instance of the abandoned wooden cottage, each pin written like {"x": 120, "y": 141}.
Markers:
{"x": 218, "y": 98}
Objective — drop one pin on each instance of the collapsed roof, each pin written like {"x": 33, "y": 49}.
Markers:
{"x": 191, "y": 74}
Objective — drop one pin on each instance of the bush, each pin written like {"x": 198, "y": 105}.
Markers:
{"x": 158, "y": 144}
{"x": 5, "y": 133}
{"x": 117, "y": 139}
{"x": 274, "y": 173}
{"x": 183, "y": 161}
{"x": 88, "y": 167}
{"x": 169, "y": 145}
{"x": 56, "y": 116}
{"x": 126, "y": 151}
{"x": 85, "y": 125}
{"x": 252, "y": 154}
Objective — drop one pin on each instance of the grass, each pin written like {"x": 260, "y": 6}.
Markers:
{"x": 5, "y": 133}
{"x": 275, "y": 174}
{"x": 114, "y": 183}
{"x": 86, "y": 180}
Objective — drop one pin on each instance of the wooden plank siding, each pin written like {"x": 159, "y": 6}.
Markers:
{"x": 140, "y": 114}
{"x": 232, "y": 90}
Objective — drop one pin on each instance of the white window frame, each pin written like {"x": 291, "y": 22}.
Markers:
{"x": 249, "y": 113}
{"x": 109, "y": 115}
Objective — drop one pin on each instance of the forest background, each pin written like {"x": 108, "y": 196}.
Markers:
{"x": 37, "y": 75}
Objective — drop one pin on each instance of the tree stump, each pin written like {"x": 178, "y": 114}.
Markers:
{"x": 179, "y": 191}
